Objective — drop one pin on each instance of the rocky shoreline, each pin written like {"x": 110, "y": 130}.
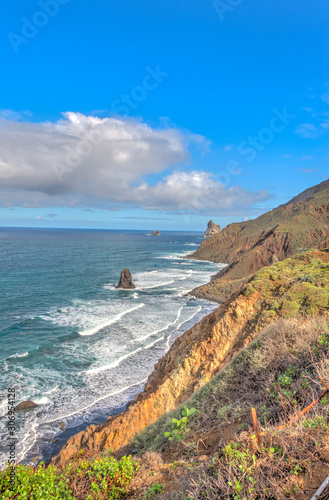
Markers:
{"x": 94, "y": 437}
{"x": 53, "y": 448}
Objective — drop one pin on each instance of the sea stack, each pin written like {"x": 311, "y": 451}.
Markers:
{"x": 155, "y": 233}
{"x": 126, "y": 280}
{"x": 211, "y": 230}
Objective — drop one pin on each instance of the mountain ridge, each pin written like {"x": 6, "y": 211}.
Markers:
{"x": 246, "y": 247}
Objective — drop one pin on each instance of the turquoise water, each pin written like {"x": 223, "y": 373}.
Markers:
{"x": 71, "y": 341}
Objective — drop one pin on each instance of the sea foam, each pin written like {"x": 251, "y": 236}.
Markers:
{"x": 109, "y": 322}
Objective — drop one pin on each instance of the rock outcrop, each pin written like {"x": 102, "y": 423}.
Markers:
{"x": 155, "y": 233}
{"x": 26, "y": 405}
{"x": 212, "y": 229}
{"x": 126, "y": 281}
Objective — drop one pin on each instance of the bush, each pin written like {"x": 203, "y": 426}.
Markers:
{"x": 36, "y": 483}
{"x": 154, "y": 490}
{"x": 98, "y": 479}
{"x": 180, "y": 425}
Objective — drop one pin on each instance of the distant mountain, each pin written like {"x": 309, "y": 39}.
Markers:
{"x": 300, "y": 224}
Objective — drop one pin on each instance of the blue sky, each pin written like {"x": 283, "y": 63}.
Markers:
{"x": 205, "y": 110}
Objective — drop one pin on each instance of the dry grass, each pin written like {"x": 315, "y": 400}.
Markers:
{"x": 277, "y": 371}
{"x": 277, "y": 374}
{"x": 251, "y": 380}
{"x": 280, "y": 467}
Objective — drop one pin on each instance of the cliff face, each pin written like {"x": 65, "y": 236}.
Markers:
{"x": 202, "y": 351}
{"x": 212, "y": 229}
{"x": 249, "y": 246}
{"x": 192, "y": 360}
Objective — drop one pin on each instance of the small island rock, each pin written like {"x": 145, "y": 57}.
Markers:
{"x": 126, "y": 280}
{"x": 26, "y": 405}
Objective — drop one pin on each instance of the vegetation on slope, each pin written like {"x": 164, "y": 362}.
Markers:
{"x": 218, "y": 457}
{"x": 248, "y": 246}
{"x": 278, "y": 375}
{"x": 297, "y": 284}
{"x": 214, "y": 455}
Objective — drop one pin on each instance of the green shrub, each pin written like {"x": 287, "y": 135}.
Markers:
{"x": 315, "y": 423}
{"x": 101, "y": 478}
{"x": 249, "y": 290}
{"x": 154, "y": 490}
{"x": 36, "y": 483}
{"x": 290, "y": 309}
{"x": 180, "y": 426}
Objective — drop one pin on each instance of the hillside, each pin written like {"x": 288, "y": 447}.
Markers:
{"x": 246, "y": 247}
{"x": 265, "y": 347}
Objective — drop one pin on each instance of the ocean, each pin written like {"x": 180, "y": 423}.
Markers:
{"x": 73, "y": 343}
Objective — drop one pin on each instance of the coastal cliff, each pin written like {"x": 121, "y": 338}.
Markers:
{"x": 246, "y": 247}
{"x": 190, "y": 363}
{"x": 270, "y": 279}
{"x": 199, "y": 354}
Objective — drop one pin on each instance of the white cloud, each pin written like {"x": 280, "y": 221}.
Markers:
{"x": 103, "y": 162}
{"x": 194, "y": 192}
{"x": 9, "y": 114}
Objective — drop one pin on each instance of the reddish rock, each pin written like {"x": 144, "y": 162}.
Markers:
{"x": 26, "y": 405}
